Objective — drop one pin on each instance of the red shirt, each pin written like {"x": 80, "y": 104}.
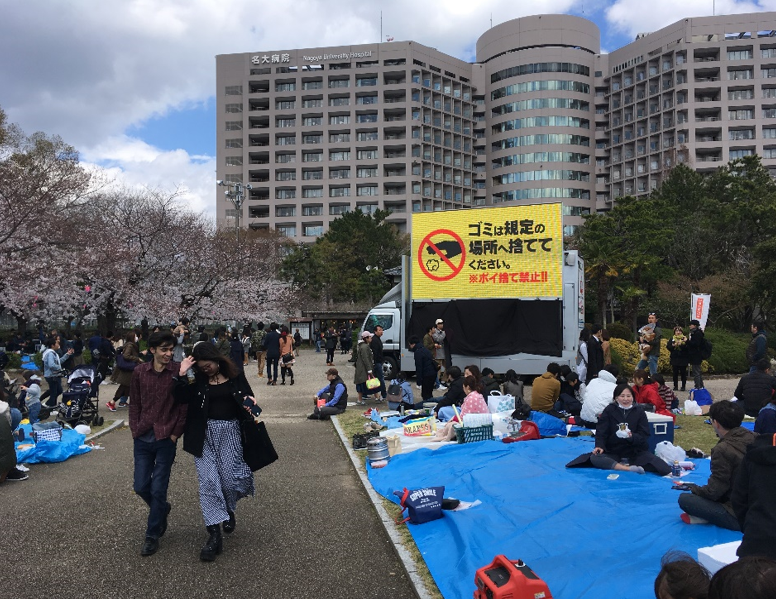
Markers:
{"x": 151, "y": 404}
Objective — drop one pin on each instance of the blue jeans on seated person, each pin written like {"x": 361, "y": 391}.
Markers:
{"x": 713, "y": 511}
{"x": 153, "y": 464}
{"x": 16, "y": 417}
{"x": 32, "y": 412}
{"x": 446, "y": 413}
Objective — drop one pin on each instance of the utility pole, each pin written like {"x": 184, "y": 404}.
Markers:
{"x": 234, "y": 193}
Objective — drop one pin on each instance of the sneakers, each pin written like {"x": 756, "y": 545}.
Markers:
{"x": 111, "y": 407}
{"x": 123, "y": 404}
{"x": 360, "y": 403}
{"x": 15, "y": 475}
{"x": 442, "y": 387}
{"x": 688, "y": 519}
{"x": 695, "y": 453}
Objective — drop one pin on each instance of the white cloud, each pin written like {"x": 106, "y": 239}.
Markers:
{"x": 89, "y": 70}
{"x": 636, "y": 16}
{"x": 132, "y": 162}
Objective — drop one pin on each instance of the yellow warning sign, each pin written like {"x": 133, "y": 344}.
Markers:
{"x": 514, "y": 251}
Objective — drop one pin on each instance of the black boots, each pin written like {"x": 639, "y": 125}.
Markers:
{"x": 214, "y": 544}
{"x": 292, "y": 381}
{"x": 230, "y": 524}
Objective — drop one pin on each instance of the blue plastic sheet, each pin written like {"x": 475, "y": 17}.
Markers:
{"x": 584, "y": 535}
{"x": 72, "y": 443}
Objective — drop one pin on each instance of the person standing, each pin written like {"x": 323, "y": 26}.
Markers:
{"x": 653, "y": 353}
{"x": 156, "y": 422}
{"x": 330, "y": 340}
{"x": 257, "y": 345}
{"x": 245, "y": 339}
{"x": 439, "y": 344}
{"x": 364, "y": 366}
{"x": 272, "y": 347}
{"x": 758, "y": 346}
{"x": 52, "y": 370}
{"x": 677, "y": 347}
{"x": 286, "y": 357}
{"x": 335, "y": 394}
{"x": 595, "y": 354}
{"x": 237, "y": 351}
{"x": 376, "y": 345}
{"x": 297, "y": 342}
{"x": 694, "y": 356}
{"x": 425, "y": 369}
{"x": 77, "y": 359}
{"x": 216, "y": 407}
{"x": 126, "y": 362}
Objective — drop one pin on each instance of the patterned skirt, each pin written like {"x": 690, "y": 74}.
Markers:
{"x": 224, "y": 477}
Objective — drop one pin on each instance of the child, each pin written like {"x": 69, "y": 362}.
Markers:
{"x": 32, "y": 397}
{"x": 669, "y": 397}
{"x": 681, "y": 577}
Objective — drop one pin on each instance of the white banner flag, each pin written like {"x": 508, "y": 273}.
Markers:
{"x": 699, "y": 310}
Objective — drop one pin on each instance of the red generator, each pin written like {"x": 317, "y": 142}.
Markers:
{"x": 505, "y": 579}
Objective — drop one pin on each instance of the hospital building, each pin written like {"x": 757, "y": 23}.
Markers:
{"x": 540, "y": 116}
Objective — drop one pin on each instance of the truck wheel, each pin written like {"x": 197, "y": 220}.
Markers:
{"x": 390, "y": 369}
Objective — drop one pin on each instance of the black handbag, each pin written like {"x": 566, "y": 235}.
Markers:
{"x": 258, "y": 451}
{"x": 286, "y": 358}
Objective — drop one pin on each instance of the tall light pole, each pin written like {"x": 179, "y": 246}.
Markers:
{"x": 234, "y": 193}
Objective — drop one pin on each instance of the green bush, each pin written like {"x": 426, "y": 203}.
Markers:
{"x": 729, "y": 352}
{"x": 620, "y": 331}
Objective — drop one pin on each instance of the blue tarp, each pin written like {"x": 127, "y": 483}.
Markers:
{"x": 72, "y": 443}
{"x": 584, "y": 535}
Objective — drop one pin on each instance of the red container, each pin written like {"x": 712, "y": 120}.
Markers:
{"x": 507, "y": 579}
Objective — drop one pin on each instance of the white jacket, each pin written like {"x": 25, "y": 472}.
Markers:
{"x": 598, "y": 394}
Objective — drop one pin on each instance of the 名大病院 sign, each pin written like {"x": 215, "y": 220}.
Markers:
{"x": 514, "y": 251}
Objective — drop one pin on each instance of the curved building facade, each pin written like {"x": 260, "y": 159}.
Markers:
{"x": 539, "y": 74}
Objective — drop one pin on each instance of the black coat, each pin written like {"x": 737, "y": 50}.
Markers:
{"x": 424, "y": 363}
{"x": 755, "y": 390}
{"x": 694, "y": 345}
{"x": 636, "y": 448}
{"x": 454, "y": 396}
{"x": 272, "y": 344}
{"x": 753, "y": 498}
{"x": 195, "y": 396}
{"x": 679, "y": 355}
{"x": 595, "y": 358}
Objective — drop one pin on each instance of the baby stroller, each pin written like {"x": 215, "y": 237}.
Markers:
{"x": 80, "y": 402}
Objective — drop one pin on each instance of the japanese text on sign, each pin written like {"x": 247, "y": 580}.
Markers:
{"x": 512, "y": 251}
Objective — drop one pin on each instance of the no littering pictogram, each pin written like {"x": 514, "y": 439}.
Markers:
{"x": 441, "y": 255}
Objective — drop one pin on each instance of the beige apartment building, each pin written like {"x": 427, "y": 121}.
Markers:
{"x": 540, "y": 116}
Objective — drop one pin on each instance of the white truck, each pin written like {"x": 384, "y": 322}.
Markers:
{"x": 521, "y": 333}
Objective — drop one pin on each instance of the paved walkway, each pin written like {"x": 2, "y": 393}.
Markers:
{"x": 75, "y": 529}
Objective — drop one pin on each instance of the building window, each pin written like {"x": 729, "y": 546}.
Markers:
{"x": 769, "y": 133}
{"x": 339, "y": 192}
{"x": 735, "y": 75}
{"x": 233, "y": 126}
{"x": 316, "y": 210}
{"x": 366, "y": 172}
{"x": 769, "y": 152}
{"x": 736, "y": 134}
{"x": 234, "y": 143}
{"x": 366, "y": 81}
{"x": 339, "y": 119}
{"x": 768, "y": 72}
{"x": 233, "y": 108}
{"x": 285, "y": 87}
{"x": 233, "y": 161}
{"x": 285, "y": 105}
{"x": 366, "y": 154}
{"x": 333, "y": 83}
{"x": 367, "y": 190}
{"x": 284, "y": 158}
{"x": 313, "y": 230}
{"x": 336, "y": 156}
{"x": 367, "y": 136}
{"x": 286, "y": 230}
{"x": 312, "y": 139}
{"x": 285, "y": 140}
{"x": 745, "y": 54}
{"x": 233, "y": 90}
{"x": 285, "y": 211}
{"x": 285, "y": 176}
{"x": 339, "y": 173}
{"x": 734, "y": 154}
{"x": 740, "y": 94}
{"x": 312, "y": 85}
{"x": 312, "y": 192}
{"x": 741, "y": 114}
{"x": 769, "y": 113}
{"x": 312, "y": 121}
{"x": 315, "y": 175}
{"x": 366, "y": 118}
{"x": 285, "y": 194}
{"x": 339, "y": 137}
{"x": 337, "y": 209}
{"x": 312, "y": 157}
{"x": 339, "y": 101}
{"x": 280, "y": 123}
{"x": 312, "y": 103}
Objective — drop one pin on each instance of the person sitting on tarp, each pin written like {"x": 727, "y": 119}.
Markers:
{"x": 622, "y": 438}
{"x": 710, "y": 503}
{"x": 454, "y": 395}
{"x": 597, "y": 395}
{"x": 335, "y": 394}
{"x": 546, "y": 390}
{"x": 570, "y": 399}
{"x": 489, "y": 382}
{"x": 646, "y": 391}
{"x": 756, "y": 389}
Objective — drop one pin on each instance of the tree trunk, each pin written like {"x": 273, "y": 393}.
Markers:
{"x": 21, "y": 324}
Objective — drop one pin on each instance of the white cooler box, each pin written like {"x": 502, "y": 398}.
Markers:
{"x": 661, "y": 428}
{"x": 718, "y": 556}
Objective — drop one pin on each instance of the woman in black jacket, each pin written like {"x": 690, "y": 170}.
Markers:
{"x": 216, "y": 400}
{"x": 622, "y": 433}
{"x": 677, "y": 346}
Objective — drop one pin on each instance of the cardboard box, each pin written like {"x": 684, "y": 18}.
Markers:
{"x": 661, "y": 428}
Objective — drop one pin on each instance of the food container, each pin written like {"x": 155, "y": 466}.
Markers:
{"x": 377, "y": 449}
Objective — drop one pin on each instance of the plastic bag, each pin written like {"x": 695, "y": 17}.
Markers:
{"x": 691, "y": 408}
{"x": 501, "y": 422}
{"x": 500, "y": 403}
{"x": 670, "y": 453}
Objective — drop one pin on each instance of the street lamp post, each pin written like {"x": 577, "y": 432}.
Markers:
{"x": 234, "y": 193}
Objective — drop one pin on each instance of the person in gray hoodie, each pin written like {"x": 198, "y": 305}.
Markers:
{"x": 32, "y": 397}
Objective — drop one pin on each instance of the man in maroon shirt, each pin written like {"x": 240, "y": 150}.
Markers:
{"x": 156, "y": 422}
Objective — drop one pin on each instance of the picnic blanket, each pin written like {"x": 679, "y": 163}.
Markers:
{"x": 29, "y": 452}
{"x": 586, "y": 536}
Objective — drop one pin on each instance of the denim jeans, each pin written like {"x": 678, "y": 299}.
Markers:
{"x": 713, "y": 511}
{"x": 272, "y": 369}
{"x": 697, "y": 377}
{"x": 378, "y": 372}
{"x": 153, "y": 464}
{"x": 33, "y": 411}
{"x": 651, "y": 362}
{"x": 16, "y": 416}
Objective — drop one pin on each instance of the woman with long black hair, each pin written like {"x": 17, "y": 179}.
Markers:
{"x": 216, "y": 400}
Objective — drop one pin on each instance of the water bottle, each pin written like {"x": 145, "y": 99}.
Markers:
{"x": 190, "y": 376}
{"x": 676, "y": 469}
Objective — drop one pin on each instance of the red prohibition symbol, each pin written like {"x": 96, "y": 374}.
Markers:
{"x": 431, "y": 254}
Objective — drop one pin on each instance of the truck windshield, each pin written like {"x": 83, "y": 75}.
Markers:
{"x": 383, "y": 320}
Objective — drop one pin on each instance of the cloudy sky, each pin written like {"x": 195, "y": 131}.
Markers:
{"x": 131, "y": 83}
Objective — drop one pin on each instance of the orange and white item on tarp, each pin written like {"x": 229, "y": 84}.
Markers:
{"x": 507, "y": 579}
{"x": 420, "y": 427}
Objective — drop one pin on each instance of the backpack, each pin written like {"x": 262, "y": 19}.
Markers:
{"x": 522, "y": 410}
{"x": 394, "y": 394}
{"x": 706, "y": 349}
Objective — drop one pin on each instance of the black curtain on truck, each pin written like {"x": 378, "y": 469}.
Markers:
{"x": 494, "y": 327}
